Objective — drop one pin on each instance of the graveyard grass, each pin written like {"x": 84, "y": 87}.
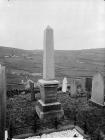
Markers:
{"x": 21, "y": 110}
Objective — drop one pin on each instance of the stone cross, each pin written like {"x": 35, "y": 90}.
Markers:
{"x": 2, "y": 102}
{"x": 48, "y": 55}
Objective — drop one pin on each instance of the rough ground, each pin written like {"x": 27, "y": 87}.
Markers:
{"x": 21, "y": 112}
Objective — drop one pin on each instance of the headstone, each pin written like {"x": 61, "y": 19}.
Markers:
{"x": 47, "y": 106}
{"x": 2, "y": 102}
{"x": 98, "y": 86}
{"x": 88, "y": 84}
{"x": 83, "y": 83}
{"x": 80, "y": 84}
{"x": 73, "y": 87}
{"x": 64, "y": 84}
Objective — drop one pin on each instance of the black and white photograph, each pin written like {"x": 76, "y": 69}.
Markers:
{"x": 52, "y": 69}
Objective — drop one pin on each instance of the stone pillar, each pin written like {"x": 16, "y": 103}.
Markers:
{"x": 48, "y": 107}
{"x": 2, "y": 102}
{"x": 48, "y": 55}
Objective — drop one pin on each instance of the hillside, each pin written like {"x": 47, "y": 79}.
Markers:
{"x": 20, "y": 63}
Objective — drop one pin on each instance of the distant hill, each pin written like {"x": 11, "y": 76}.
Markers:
{"x": 68, "y": 63}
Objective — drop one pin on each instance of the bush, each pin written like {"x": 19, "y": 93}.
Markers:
{"x": 70, "y": 113}
{"x": 56, "y": 122}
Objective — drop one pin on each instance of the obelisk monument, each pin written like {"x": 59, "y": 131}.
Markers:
{"x": 48, "y": 56}
{"x": 48, "y": 107}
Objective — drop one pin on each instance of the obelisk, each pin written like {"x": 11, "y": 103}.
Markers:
{"x": 48, "y": 55}
{"x": 48, "y": 107}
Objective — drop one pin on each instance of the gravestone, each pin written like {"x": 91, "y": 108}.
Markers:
{"x": 73, "y": 87}
{"x": 83, "y": 83}
{"x": 98, "y": 89}
{"x": 64, "y": 84}
{"x": 2, "y": 102}
{"x": 48, "y": 107}
{"x": 88, "y": 84}
{"x": 80, "y": 84}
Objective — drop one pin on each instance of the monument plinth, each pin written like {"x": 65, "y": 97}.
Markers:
{"x": 48, "y": 107}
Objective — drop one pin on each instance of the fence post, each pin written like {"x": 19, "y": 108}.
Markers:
{"x": 2, "y": 102}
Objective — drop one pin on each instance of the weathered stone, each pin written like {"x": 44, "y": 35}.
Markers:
{"x": 48, "y": 55}
{"x": 49, "y": 107}
{"x": 73, "y": 87}
{"x": 50, "y": 114}
{"x": 98, "y": 87}
{"x": 48, "y": 90}
{"x": 64, "y": 84}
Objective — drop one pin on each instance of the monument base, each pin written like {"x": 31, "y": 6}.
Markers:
{"x": 48, "y": 111}
{"x": 93, "y": 102}
{"x": 48, "y": 107}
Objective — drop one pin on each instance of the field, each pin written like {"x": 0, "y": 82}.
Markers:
{"x": 21, "y": 64}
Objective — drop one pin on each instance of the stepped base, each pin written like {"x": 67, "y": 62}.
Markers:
{"x": 50, "y": 110}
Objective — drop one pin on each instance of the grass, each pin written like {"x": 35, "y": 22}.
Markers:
{"x": 21, "y": 111}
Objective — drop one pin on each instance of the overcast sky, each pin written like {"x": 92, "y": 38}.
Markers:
{"x": 77, "y": 24}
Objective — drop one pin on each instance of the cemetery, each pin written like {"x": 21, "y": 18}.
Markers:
{"x": 41, "y": 111}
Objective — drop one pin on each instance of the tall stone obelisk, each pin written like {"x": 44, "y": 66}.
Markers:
{"x": 48, "y": 56}
{"x": 48, "y": 107}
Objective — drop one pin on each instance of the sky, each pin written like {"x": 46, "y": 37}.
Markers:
{"x": 77, "y": 24}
